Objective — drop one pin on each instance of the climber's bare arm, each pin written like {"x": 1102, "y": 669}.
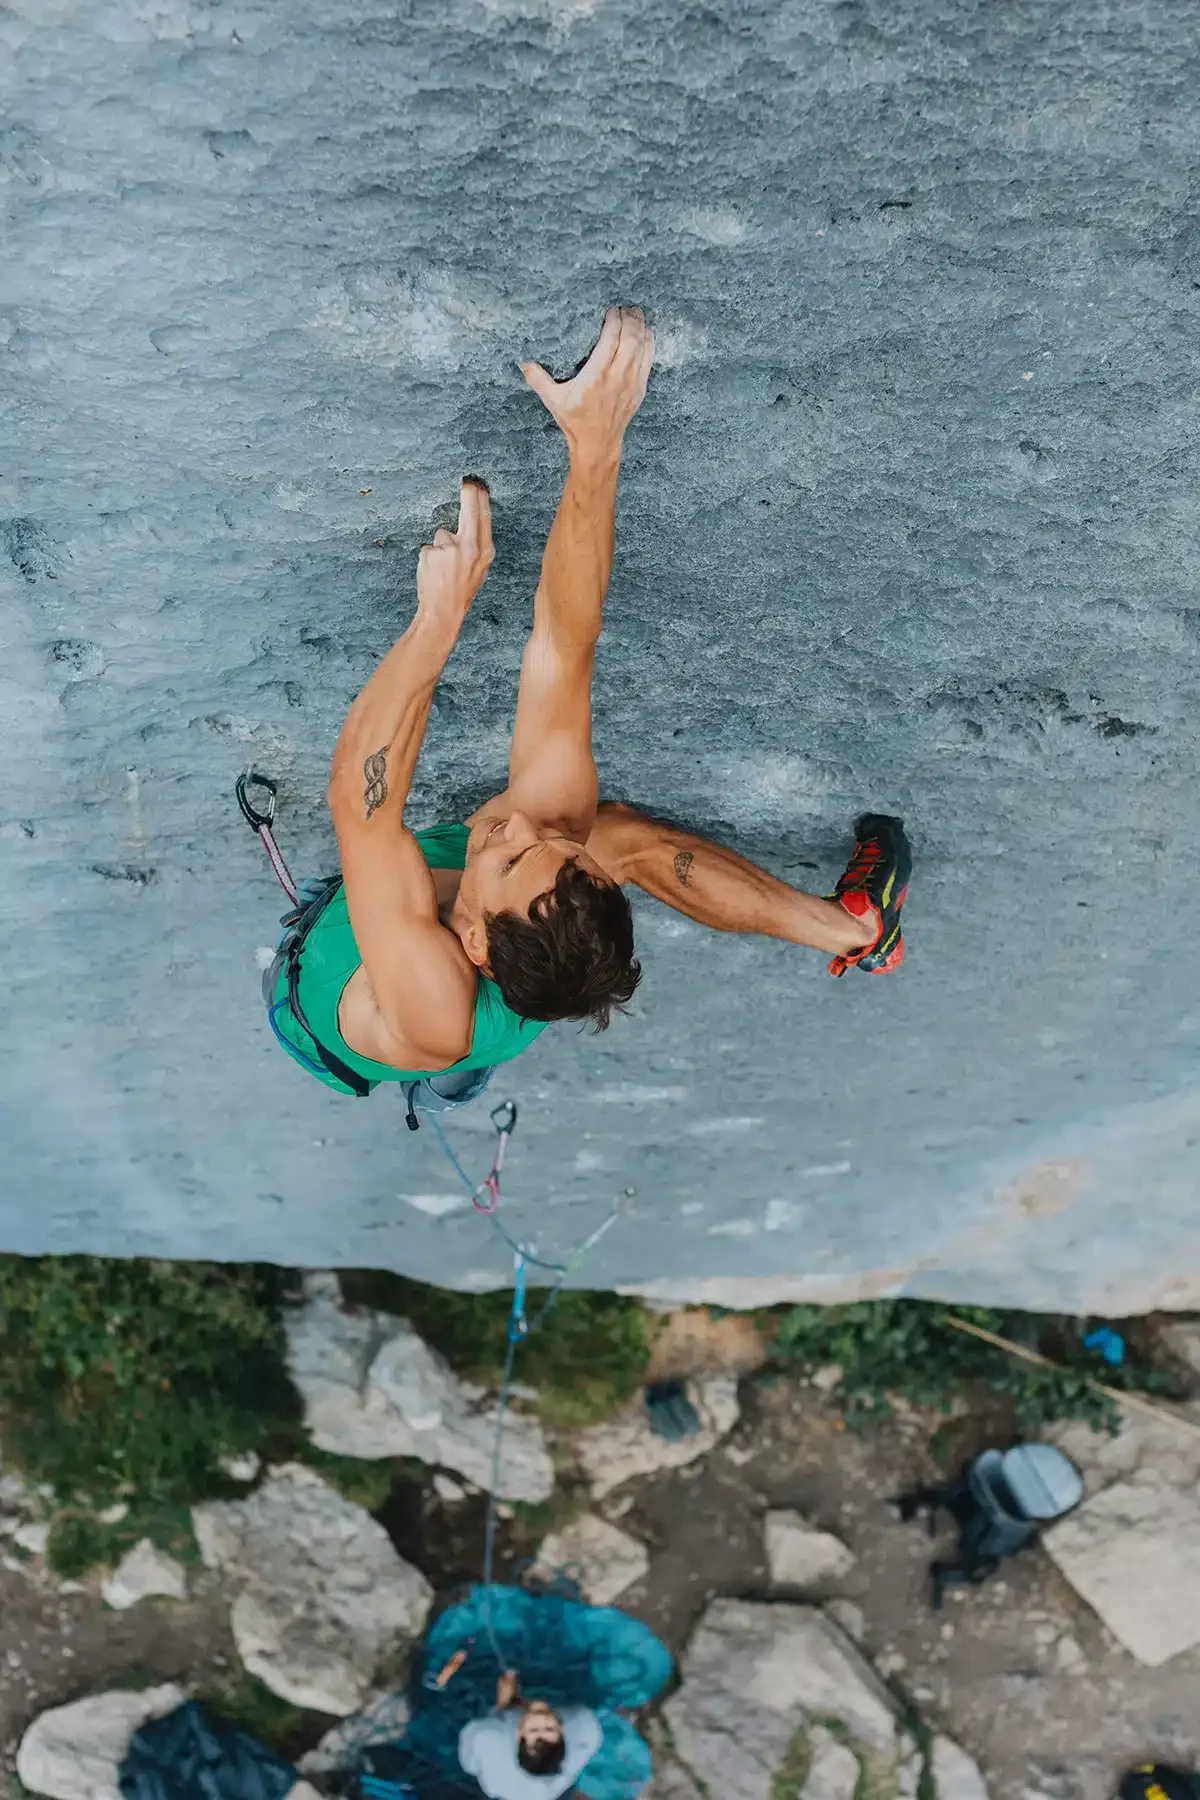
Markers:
{"x": 552, "y": 773}
{"x": 713, "y": 885}
{"x": 412, "y": 1003}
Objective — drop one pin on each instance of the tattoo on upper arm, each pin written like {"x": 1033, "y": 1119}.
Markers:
{"x": 375, "y": 770}
{"x": 683, "y": 867}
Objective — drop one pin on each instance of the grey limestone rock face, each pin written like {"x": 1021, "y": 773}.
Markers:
{"x": 373, "y": 1388}
{"x": 603, "y": 1559}
{"x": 74, "y": 1752}
{"x": 907, "y": 523}
{"x": 956, "y": 1775}
{"x": 320, "y": 1597}
{"x": 800, "y": 1556}
{"x": 754, "y": 1675}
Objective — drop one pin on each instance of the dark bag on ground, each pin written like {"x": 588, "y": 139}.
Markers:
{"x": 189, "y": 1755}
{"x": 998, "y": 1505}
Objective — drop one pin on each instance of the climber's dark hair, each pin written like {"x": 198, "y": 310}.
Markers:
{"x": 545, "y": 1757}
{"x": 572, "y": 957}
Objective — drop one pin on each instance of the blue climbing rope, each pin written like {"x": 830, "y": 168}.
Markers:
{"x": 504, "y": 1119}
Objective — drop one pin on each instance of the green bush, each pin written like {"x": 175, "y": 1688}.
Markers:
{"x": 887, "y": 1348}
{"x": 80, "y": 1541}
{"x": 587, "y": 1358}
{"x": 135, "y": 1377}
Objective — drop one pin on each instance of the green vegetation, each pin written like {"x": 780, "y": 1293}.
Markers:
{"x": 80, "y": 1541}
{"x": 242, "y": 1699}
{"x": 587, "y": 1359}
{"x": 792, "y": 1772}
{"x": 904, "y": 1348}
{"x": 133, "y": 1378}
{"x": 367, "y": 1484}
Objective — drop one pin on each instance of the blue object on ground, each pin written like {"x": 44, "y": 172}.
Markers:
{"x": 565, "y": 1653}
{"x": 670, "y": 1413}
{"x": 188, "y": 1755}
{"x": 1108, "y": 1342}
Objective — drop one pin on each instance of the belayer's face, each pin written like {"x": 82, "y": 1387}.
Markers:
{"x": 511, "y": 861}
{"x": 539, "y": 1724}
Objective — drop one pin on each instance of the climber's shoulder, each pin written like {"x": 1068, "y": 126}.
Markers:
{"x": 427, "y": 1019}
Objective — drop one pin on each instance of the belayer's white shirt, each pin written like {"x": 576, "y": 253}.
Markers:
{"x": 487, "y": 1749}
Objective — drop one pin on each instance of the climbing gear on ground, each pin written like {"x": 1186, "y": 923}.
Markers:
{"x": 1108, "y": 1342}
{"x": 189, "y": 1755}
{"x": 567, "y": 1653}
{"x": 874, "y": 888}
{"x": 669, "y": 1413}
{"x": 998, "y": 1503}
{"x": 1158, "y": 1781}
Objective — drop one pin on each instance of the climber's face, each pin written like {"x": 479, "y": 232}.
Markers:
{"x": 510, "y": 862}
{"x": 540, "y": 1724}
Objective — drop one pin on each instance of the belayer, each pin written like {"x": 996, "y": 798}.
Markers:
{"x": 441, "y": 952}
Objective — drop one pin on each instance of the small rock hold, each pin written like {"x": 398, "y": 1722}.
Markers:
{"x": 245, "y": 1466}
{"x": 955, "y": 1775}
{"x": 112, "y": 1515}
{"x": 447, "y": 1489}
{"x": 604, "y": 1559}
{"x": 33, "y": 1536}
{"x": 77, "y": 659}
{"x": 833, "y": 1772}
{"x": 799, "y": 1556}
{"x": 145, "y": 1571}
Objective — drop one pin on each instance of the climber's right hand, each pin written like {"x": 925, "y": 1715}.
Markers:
{"x": 596, "y": 405}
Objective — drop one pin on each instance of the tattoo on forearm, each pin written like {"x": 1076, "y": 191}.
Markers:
{"x": 683, "y": 868}
{"x": 375, "y": 770}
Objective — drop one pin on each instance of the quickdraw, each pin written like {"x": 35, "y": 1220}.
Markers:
{"x": 262, "y": 822}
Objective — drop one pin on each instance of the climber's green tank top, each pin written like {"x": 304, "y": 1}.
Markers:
{"x": 330, "y": 957}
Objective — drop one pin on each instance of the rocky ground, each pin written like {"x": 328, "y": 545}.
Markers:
{"x": 1021, "y": 1672}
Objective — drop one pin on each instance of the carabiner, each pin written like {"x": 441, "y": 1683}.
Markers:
{"x": 507, "y": 1110}
{"x": 257, "y": 821}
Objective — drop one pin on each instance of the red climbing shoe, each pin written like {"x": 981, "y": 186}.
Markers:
{"x": 874, "y": 887}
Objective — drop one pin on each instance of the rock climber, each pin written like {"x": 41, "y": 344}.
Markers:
{"x": 446, "y": 950}
{"x": 526, "y": 1750}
